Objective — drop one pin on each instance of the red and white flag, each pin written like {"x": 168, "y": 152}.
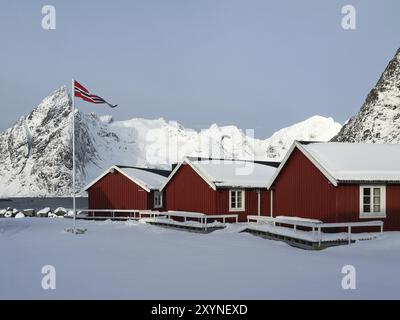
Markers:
{"x": 81, "y": 92}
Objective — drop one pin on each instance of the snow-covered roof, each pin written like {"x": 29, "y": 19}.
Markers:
{"x": 145, "y": 178}
{"x": 351, "y": 162}
{"x": 230, "y": 173}
{"x": 358, "y": 161}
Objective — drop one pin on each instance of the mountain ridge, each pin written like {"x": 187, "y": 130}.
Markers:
{"x": 378, "y": 119}
{"x": 36, "y": 152}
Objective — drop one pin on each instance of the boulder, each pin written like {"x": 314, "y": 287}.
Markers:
{"x": 60, "y": 211}
{"x": 14, "y": 212}
{"x": 82, "y": 213}
{"x": 19, "y": 215}
{"x": 44, "y": 212}
{"x": 29, "y": 212}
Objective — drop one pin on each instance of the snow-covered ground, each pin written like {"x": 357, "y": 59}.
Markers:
{"x": 140, "y": 261}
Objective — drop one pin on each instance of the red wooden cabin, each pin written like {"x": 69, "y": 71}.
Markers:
{"x": 219, "y": 187}
{"x": 123, "y": 187}
{"x": 339, "y": 182}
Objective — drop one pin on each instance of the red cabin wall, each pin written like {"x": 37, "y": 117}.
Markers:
{"x": 251, "y": 203}
{"x": 348, "y": 206}
{"x": 348, "y": 203}
{"x": 115, "y": 191}
{"x": 187, "y": 191}
{"x": 301, "y": 190}
{"x": 392, "y": 221}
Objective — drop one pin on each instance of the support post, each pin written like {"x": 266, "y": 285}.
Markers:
{"x": 349, "y": 234}
{"x": 73, "y": 151}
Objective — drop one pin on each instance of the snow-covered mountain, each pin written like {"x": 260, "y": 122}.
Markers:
{"x": 36, "y": 153}
{"x": 378, "y": 121}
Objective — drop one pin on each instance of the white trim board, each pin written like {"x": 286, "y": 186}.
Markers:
{"x": 195, "y": 169}
{"x": 372, "y": 215}
{"x": 304, "y": 151}
{"x": 243, "y": 208}
{"x": 137, "y": 181}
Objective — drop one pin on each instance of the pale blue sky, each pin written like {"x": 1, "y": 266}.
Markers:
{"x": 252, "y": 63}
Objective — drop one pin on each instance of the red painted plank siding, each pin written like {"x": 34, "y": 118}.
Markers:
{"x": 392, "y": 221}
{"x": 251, "y": 203}
{"x": 115, "y": 191}
{"x": 187, "y": 191}
{"x": 348, "y": 205}
{"x": 265, "y": 202}
{"x": 301, "y": 190}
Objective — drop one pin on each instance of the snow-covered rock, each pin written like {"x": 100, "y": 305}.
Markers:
{"x": 3, "y": 212}
{"x": 70, "y": 213}
{"x": 44, "y": 212}
{"x": 28, "y": 212}
{"x": 378, "y": 121}
{"x": 8, "y": 214}
{"x": 60, "y": 211}
{"x": 19, "y": 215}
{"x": 36, "y": 153}
{"x": 82, "y": 213}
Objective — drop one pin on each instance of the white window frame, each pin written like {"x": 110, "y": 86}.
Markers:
{"x": 382, "y": 213}
{"x": 158, "y": 194}
{"x": 236, "y": 209}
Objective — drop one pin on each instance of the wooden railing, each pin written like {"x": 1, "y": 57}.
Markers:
{"x": 201, "y": 217}
{"x": 140, "y": 214}
{"x": 316, "y": 227}
{"x": 130, "y": 214}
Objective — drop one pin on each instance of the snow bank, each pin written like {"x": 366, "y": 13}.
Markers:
{"x": 298, "y": 219}
{"x": 192, "y": 224}
{"x": 115, "y": 261}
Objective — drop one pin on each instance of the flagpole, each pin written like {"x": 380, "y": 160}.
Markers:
{"x": 73, "y": 152}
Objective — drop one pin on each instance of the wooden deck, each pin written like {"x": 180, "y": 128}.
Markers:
{"x": 287, "y": 229}
{"x": 297, "y": 242}
{"x": 190, "y": 228}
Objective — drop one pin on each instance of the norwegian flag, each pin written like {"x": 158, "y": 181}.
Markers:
{"x": 81, "y": 92}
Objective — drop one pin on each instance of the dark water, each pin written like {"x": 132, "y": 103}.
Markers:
{"x": 40, "y": 203}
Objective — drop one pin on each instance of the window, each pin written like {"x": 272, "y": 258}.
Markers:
{"x": 236, "y": 200}
{"x": 372, "y": 201}
{"x": 158, "y": 199}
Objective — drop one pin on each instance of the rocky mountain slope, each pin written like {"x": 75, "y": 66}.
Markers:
{"x": 36, "y": 153}
{"x": 378, "y": 121}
